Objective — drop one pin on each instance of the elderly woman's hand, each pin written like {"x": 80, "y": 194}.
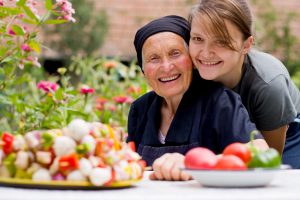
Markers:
{"x": 167, "y": 167}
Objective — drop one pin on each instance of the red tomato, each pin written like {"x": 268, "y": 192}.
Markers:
{"x": 230, "y": 162}
{"x": 240, "y": 150}
{"x": 200, "y": 158}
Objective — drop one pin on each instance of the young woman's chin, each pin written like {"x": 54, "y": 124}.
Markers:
{"x": 208, "y": 75}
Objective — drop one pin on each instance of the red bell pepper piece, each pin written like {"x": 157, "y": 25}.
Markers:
{"x": 7, "y": 143}
{"x": 68, "y": 163}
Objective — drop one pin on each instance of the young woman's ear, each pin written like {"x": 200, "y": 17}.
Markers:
{"x": 248, "y": 44}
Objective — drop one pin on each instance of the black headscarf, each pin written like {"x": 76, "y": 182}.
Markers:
{"x": 171, "y": 23}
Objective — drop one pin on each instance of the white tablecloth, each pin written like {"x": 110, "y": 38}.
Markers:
{"x": 285, "y": 186}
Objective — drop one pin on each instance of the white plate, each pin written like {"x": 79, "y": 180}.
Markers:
{"x": 257, "y": 177}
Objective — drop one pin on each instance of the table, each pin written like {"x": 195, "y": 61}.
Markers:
{"x": 285, "y": 186}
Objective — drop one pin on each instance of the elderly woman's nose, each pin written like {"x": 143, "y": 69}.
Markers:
{"x": 166, "y": 64}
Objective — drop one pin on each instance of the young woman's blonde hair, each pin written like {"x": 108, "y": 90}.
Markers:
{"x": 213, "y": 13}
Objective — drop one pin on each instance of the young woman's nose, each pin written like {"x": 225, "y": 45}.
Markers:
{"x": 206, "y": 51}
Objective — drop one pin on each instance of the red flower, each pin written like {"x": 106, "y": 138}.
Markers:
{"x": 100, "y": 102}
{"x": 110, "y": 64}
{"x": 87, "y": 90}
{"x": 134, "y": 89}
{"x": 11, "y": 32}
{"x": 26, "y": 47}
{"x": 47, "y": 86}
{"x": 123, "y": 99}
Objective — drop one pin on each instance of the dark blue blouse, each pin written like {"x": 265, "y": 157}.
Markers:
{"x": 208, "y": 115}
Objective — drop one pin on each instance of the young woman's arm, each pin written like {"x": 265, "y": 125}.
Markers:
{"x": 276, "y": 138}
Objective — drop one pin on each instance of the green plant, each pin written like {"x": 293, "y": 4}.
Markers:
{"x": 274, "y": 34}
{"x": 84, "y": 37}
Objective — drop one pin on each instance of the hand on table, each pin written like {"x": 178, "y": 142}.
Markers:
{"x": 167, "y": 167}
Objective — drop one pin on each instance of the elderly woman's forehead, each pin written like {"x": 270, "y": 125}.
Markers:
{"x": 163, "y": 37}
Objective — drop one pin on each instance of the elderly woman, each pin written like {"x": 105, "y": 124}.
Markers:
{"x": 178, "y": 114}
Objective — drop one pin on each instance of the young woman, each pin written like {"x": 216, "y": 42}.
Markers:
{"x": 220, "y": 47}
{"x": 183, "y": 111}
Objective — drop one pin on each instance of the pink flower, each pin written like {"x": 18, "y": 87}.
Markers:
{"x": 25, "y": 47}
{"x": 66, "y": 10}
{"x": 31, "y": 4}
{"x": 47, "y": 86}
{"x": 87, "y": 90}
{"x": 122, "y": 99}
{"x": 112, "y": 108}
{"x": 34, "y": 61}
{"x": 11, "y": 32}
{"x": 134, "y": 89}
{"x": 100, "y": 102}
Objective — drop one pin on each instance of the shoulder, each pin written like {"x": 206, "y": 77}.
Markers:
{"x": 145, "y": 99}
{"x": 267, "y": 66}
{"x": 141, "y": 104}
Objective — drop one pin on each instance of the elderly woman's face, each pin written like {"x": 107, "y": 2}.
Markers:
{"x": 167, "y": 65}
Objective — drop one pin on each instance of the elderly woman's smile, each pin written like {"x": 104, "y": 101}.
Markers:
{"x": 169, "y": 78}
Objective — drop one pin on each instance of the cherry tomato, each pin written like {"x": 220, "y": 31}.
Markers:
{"x": 230, "y": 162}
{"x": 240, "y": 150}
{"x": 200, "y": 158}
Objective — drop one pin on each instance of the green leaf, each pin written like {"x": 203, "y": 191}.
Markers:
{"x": 21, "y": 3}
{"x": 59, "y": 94}
{"x": 48, "y": 5}
{"x": 35, "y": 46}
{"x": 29, "y": 21}
{"x": 30, "y": 14}
{"x": 55, "y": 21}
{"x": 17, "y": 29}
{"x": 8, "y": 11}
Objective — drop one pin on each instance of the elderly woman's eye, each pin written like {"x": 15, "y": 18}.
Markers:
{"x": 175, "y": 53}
{"x": 154, "y": 59}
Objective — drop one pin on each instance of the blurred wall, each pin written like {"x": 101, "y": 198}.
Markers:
{"x": 126, "y": 16}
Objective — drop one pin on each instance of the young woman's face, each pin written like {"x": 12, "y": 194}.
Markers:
{"x": 167, "y": 65}
{"x": 213, "y": 59}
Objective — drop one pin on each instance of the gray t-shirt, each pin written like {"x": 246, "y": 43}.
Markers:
{"x": 267, "y": 91}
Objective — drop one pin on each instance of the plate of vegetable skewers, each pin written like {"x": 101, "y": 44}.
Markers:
{"x": 82, "y": 155}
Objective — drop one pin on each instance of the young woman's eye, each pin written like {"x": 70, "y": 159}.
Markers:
{"x": 197, "y": 39}
{"x": 220, "y": 43}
